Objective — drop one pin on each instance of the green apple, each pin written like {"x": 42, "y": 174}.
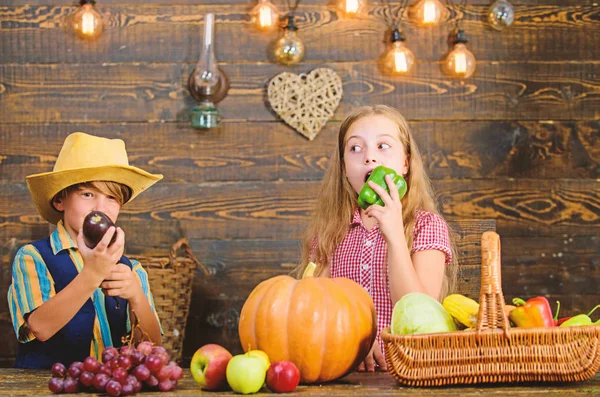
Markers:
{"x": 246, "y": 373}
{"x": 262, "y": 355}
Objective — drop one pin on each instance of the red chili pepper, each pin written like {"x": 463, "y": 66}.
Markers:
{"x": 535, "y": 312}
{"x": 559, "y": 321}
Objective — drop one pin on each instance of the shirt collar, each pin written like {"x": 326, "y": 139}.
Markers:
{"x": 60, "y": 239}
{"x": 356, "y": 220}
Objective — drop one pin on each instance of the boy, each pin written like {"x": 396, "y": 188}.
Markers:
{"x": 56, "y": 299}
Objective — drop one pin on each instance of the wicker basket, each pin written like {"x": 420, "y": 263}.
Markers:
{"x": 493, "y": 353}
{"x": 171, "y": 281}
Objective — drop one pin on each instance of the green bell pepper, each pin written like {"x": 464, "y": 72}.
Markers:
{"x": 367, "y": 195}
{"x": 580, "y": 319}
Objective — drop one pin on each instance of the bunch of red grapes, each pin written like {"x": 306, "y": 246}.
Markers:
{"x": 123, "y": 372}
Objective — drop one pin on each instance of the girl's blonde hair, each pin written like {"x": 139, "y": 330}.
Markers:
{"x": 329, "y": 223}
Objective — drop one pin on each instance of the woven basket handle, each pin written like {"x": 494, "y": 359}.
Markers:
{"x": 183, "y": 242}
{"x": 491, "y": 299}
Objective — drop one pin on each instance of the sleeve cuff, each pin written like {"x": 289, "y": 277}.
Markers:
{"x": 437, "y": 247}
{"x": 24, "y": 333}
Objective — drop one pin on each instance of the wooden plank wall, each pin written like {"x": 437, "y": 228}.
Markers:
{"x": 519, "y": 142}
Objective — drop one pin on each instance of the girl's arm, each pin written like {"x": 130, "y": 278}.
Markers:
{"x": 424, "y": 272}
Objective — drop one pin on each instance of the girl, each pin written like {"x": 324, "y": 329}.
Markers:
{"x": 390, "y": 250}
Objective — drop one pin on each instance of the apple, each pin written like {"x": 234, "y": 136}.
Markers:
{"x": 209, "y": 365}
{"x": 262, "y": 355}
{"x": 246, "y": 373}
{"x": 283, "y": 376}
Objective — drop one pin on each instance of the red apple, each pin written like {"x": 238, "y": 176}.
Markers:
{"x": 283, "y": 376}
{"x": 209, "y": 366}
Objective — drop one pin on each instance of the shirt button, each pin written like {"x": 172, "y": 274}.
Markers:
{"x": 365, "y": 266}
{"x": 368, "y": 243}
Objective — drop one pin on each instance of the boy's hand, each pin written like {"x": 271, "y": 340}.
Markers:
{"x": 99, "y": 262}
{"x": 389, "y": 217}
{"x": 123, "y": 283}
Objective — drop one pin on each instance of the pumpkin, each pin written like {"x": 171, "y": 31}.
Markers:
{"x": 326, "y": 326}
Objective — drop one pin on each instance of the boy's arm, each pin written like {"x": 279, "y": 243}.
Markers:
{"x": 36, "y": 309}
{"x": 144, "y": 308}
{"x": 55, "y": 313}
{"x": 132, "y": 285}
{"x": 147, "y": 319}
{"x": 32, "y": 285}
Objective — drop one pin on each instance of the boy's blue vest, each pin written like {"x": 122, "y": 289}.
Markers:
{"x": 72, "y": 342}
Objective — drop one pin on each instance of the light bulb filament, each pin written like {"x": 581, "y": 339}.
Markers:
{"x": 400, "y": 62}
{"x": 265, "y": 19}
{"x": 352, "y": 6}
{"x": 399, "y": 59}
{"x": 429, "y": 12}
{"x": 460, "y": 63}
{"x": 88, "y": 22}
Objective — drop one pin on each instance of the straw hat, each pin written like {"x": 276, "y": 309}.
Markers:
{"x": 86, "y": 158}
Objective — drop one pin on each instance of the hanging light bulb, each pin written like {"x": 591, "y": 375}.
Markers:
{"x": 289, "y": 49}
{"x": 460, "y": 62}
{"x": 207, "y": 83}
{"x": 265, "y": 15}
{"x": 351, "y": 7}
{"x": 87, "y": 22}
{"x": 428, "y": 12}
{"x": 399, "y": 59}
{"x": 501, "y": 14}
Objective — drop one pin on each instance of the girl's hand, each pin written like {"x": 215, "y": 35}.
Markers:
{"x": 123, "y": 283}
{"x": 374, "y": 357}
{"x": 389, "y": 217}
{"x": 98, "y": 262}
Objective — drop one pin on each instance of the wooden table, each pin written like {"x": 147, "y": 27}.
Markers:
{"x": 35, "y": 382}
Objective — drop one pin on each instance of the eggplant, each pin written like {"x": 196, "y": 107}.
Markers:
{"x": 95, "y": 225}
